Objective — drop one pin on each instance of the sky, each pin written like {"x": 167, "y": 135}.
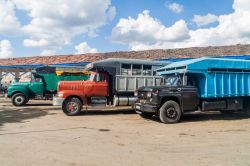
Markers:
{"x": 35, "y": 27}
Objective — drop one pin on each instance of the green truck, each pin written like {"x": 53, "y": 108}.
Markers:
{"x": 43, "y": 84}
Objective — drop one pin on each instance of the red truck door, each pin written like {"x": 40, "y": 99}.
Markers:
{"x": 100, "y": 87}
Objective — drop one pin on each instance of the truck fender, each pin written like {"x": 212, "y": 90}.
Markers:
{"x": 71, "y": 93}
{"x": 20, "y": 89}
{"x": 174, "y": 98}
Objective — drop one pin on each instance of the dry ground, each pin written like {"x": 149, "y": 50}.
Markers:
{"x": 40, "y": 134}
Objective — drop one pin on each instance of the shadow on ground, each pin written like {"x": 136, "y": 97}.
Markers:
{"x": 39, "y": 104}
{"x": 215, "y": 116}
{"x": 209, "y": 116}
{"x": 20, "y": 115}
{"x": 106, "y": 112}
{"x": 4, "y": 101}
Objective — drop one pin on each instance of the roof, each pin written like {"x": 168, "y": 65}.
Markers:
{"x": 243, "y": 57}
{"x": 204, "y": 64}
{"x": 81, "y": 64}
{"x": 112, "y": 62}
{"x": 193, "y": 52}
{"x": 21, "y": 66}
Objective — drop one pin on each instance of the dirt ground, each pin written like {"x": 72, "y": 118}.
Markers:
{"x": 40, "y": 134}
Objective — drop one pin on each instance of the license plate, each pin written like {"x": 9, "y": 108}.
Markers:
{"x": 138, "y": 107}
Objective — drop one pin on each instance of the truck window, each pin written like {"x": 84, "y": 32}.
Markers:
{"x": 137, "y": 70}
{"x": 35, "y": 79}
{"x": 147, "y": 70}
{"x": 126, "y": 69}
{"x": 173, "y": 81}
{"x": 100, "y": 77}
{"x": 38, "y": 80}
{"x": 92, "y": 77}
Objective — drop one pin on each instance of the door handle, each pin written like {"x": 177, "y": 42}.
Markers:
{"x": 178, "y": 89}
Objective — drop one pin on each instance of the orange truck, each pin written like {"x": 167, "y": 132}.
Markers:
{"x": 111, "y": 84}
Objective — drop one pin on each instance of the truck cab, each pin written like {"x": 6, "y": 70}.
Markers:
{"x": 179, "y": 93}
{"x": 21, "y": 92}
{"x": 206, "y": 84}
{"x": 96, "y": 85}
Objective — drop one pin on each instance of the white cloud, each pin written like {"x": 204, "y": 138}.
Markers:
{"x": 232, "y": 28}
{"x": 55, "y": 23}
{"x": 241, "y": 5}
{"x": 9, "y": 24}
{"x": 84, "y": 48}
{"x": 175, "y": 7}
{"x": 146, "y": 32}
{"x": 5, "y": 49}
{"x": 205, "y": 20}
{"x": 35, "y": 43}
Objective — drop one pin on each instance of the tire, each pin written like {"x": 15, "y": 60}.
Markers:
{"x": 19, "y": 99}
{"x": 72, "y": 106}
{"x": 170, "y": 112}
{"x": 146, "y": 115}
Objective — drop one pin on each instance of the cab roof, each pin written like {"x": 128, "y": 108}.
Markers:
{"x": 114, "y": 62}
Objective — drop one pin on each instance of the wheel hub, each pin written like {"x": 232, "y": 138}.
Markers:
{"x": 19, "y": 99}
{"x": 72, "y": 106}
{"x": 171, "y": 112}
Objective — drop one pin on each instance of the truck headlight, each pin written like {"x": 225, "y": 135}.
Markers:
{"x": 136, "y": 93}
{"x": 60, "y": 94}
{"x": 149, "y": 94}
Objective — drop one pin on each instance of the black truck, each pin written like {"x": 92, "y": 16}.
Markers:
{"x": 206, "y": 84}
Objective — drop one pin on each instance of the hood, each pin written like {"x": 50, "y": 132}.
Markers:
{"x": 20, "y": 84}
{"x": 69, "y": 85}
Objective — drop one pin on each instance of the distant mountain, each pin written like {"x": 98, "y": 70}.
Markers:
{"x": 148, "y": 54}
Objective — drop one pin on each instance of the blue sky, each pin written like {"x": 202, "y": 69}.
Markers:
{"x": 31, "y": 28}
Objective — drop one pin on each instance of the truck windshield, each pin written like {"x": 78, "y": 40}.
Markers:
{"x": 172, "y": 81}
{"x": 35, "y": 79}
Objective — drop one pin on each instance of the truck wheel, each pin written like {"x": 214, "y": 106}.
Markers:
{"x": 170, "y": 112}
{"x": 18, "y": 99}
{"x": 72, "y": 106}
{"x": 146, "y": 115}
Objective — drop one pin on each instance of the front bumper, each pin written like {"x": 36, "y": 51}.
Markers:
{"x": 140, "y": 108}
{"x": 58, "y": 101}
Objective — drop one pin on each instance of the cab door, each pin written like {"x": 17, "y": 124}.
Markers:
{"x": 37, "y": 87}
{"x": 100, "y": 88}
{"x": 190, "y": 95}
